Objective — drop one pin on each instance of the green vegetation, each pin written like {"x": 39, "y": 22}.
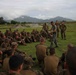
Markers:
{"x": 71, "y": 34}
{"x": 30, "y": 48}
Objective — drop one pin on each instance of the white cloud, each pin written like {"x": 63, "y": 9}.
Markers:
{"x": 38, "y": 8}
{"x": 40, "y": 16}
{"x": 11, "y": 13}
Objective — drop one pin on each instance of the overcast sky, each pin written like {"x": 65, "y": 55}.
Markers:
{"x": 42, "y": 9}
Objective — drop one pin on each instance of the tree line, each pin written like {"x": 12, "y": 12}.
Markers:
{"x": 2, "y": 21}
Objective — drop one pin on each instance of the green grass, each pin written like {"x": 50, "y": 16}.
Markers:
{"x": 30, "y": 48}
{"x": 70, "y": 38}
{"x": 3, "y": 28}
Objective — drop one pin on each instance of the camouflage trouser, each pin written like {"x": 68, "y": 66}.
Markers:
{"x": 63, "y": 36}
{"x": 57, "y": 34}
{"x": 53, "y": 40}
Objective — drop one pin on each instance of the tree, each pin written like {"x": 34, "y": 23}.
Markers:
{"x": 2, "y": 21}
{"x": 13, "y": 22}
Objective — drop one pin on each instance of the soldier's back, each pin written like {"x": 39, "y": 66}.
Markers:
{"x": 51, "y": 63}
{"x": 41, "y": 51}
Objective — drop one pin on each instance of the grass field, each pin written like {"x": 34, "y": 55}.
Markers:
{"x": 30, "y": 48}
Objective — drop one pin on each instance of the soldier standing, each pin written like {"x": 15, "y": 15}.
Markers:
{"x": 58, "y": 25}
{"x": 63, "y": 30}
{"x": 45, "y": 28}
{"x": 54, "y": 32}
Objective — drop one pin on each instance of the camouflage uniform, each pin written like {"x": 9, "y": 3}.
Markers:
{"x": 58, "y": 27}
{"x": 63, "y": 29}
{"x": 28, "y": 61}
{"x": 43, "y": 33}
{"x": 27, "y": 67}
{"x": 28, "y": 38}
{"x": 45, "y": 28}
{"x": 15, "y": 50}
{"x": 54, "y": 38}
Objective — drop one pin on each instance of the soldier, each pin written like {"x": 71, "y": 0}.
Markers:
{"x": 28, "y": 38}
{"x": 23, "y": 32}
{"x": 6, "y": 44}
{"x": 71, "y": 61}
{"x": 41, "y": 50}
{"x": 33, "y": 38}
{"x": 63, "y": 57}
{"x": 51, "y": 63}
{"x": 7, "y": 33}
{"x": 37, "y": 36}
{"x": 6, "y": 60}
{"x": 54, "y": 32}
{"x": 58, "y": 26}
{"x": 63, "y": 30}
{"x": 45, "y": 28}
{"x": 15, "y": 49}
{"x": 27, "y": 67}
{"x": 16, "y": 64}
{"x": 43, "y": 33}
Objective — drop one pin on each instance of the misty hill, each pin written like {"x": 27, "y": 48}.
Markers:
{"x": 58, "y": 18}
{"x": 27, "y": 19}
{"x": 31, "y": 19}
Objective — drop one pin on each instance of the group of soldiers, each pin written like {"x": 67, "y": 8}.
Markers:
{"x": 56, "y": 29}
{"x": 12, "y": 59}
{"x": 52, "y": 64}
{"x": 24, "y": 37}
{"x": 9, "y": 42}
{"x": 59, "y": 26}
{"x": 16, "y": 62}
